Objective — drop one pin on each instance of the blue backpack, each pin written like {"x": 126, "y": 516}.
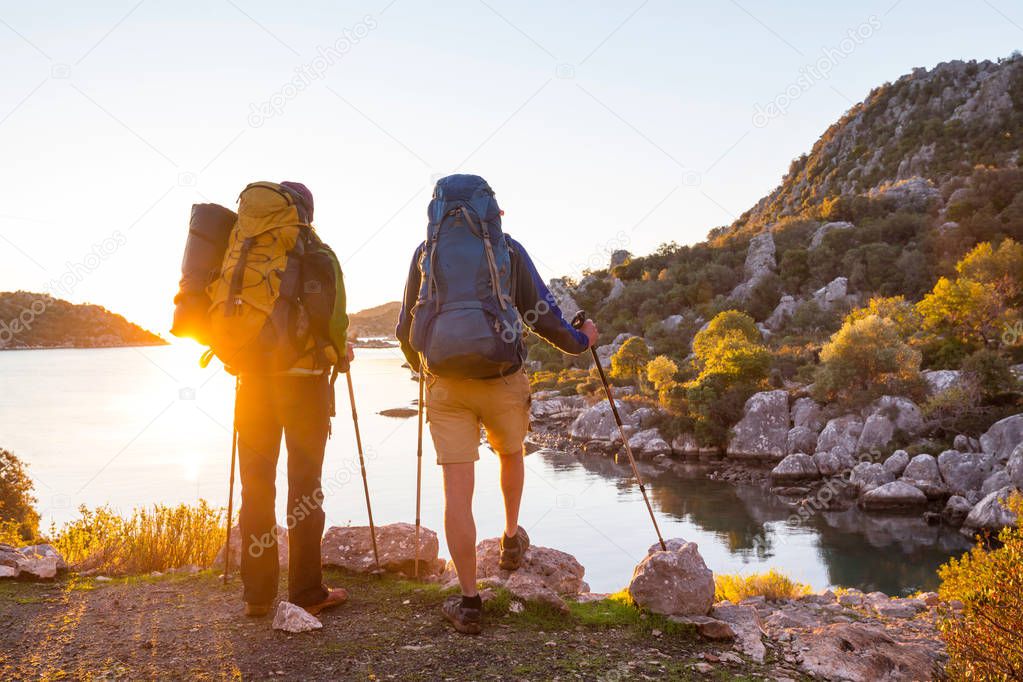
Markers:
{"x": 465, "y": 324}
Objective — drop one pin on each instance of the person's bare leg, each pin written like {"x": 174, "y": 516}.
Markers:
{"x": 513, "y": 476}
{"x": 459, "y": 525}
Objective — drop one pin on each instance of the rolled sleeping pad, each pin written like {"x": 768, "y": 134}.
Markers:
{"x": 208, "y": 232}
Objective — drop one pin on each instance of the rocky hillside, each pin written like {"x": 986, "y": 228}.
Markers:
{"x": 376, "y": 321}
{"x": 934, "y": 124}
{"x": 29, "y": 320}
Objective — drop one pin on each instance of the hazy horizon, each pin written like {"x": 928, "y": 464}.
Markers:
{"x": 624, "y": 127}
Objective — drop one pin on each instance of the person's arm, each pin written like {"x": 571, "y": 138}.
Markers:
{"x": 538, "y": 307}
{"x": 403, "y": 331}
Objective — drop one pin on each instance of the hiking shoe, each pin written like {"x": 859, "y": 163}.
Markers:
{"x": 335, "y": 597}
{"x": 513, "y": 549}
{"x": 256, "y": 610}
{"x": 466, "y": 619}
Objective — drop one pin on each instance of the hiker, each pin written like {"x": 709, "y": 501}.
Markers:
{"x": 277, "y": 319}
{"x": 471, "y": 293}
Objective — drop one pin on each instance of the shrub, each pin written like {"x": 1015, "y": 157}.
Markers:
{"x": 865, "y": 359}
{"x": 19, "y": 521}
{"x": 984, "y": 640}
{"x": 771, "y": 585}
{"x": 628, "y": 363}
{"x": 661, "y": 371}
{"x": 153, "y": 539}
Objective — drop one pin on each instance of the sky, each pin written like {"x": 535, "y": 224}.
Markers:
{"x": 600, "y": 125}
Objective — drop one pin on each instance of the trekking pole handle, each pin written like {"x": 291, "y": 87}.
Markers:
{"x": 577, "y": 321}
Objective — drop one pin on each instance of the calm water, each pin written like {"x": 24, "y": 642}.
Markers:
{"x": 135, "y": 426}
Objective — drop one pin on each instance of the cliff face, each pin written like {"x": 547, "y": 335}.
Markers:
{"x": 29, "y": 320}
{"x": 376, "y": 321}
{"x": 932, "y": 123}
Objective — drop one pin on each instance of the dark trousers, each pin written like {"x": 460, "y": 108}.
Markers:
{"x": 299, "y": 407}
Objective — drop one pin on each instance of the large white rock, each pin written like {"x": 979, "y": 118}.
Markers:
{"x": 823, "y": 230}
{"x": 1014, "y": 468}
{"x": 1003, "y": 437}
{"x": 990, "y": 513}
{"x": 351, "y": 548}
{"x": 841, "y": 432}
{"x": 835, "y": 462}
{"x": 807, "y": 412}
{"x": 561, "y": 407}
{"x": 801, "y": 439}
{"x": 940, "y": 380}
{"x": 794, "y": 468}
{"x": 597, "y": 422}
{"x": 896, "y": 463}
{"x": 858, "y": 652}
{"x": 782, "y": 313}
{"x": 295, "y": 619}
{"x": 559, "y": 288}
{"x": 894, "y": 495}
{"x": 867, "y": 476}
{"x": 746, "y": 624}
{"x": 878, "y": 431}
{"x": 963, "y": 471}
{"x": 904, "y": 414}
{"x": 922, "y": 472}
{"x": 760, "y": 262}
{"x": 763, "y": 430}
{"x": 675, "y": 582}
{"x": 649, "y": 442}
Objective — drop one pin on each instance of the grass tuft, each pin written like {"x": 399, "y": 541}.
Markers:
{"x": 773, "y": 586}
{"x": 151, "y": 539}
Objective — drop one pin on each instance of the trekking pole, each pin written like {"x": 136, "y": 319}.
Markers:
{"x": 230, "y": 486}
{"x": 362, "y": 465}
{"x": 577, "y": 322}
{"x": 419, "y": 466}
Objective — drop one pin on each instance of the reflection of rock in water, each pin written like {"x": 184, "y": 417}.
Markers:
{"x": 893, "y": 554}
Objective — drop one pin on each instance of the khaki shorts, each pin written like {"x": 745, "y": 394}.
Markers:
{"x": 455, "y": 409}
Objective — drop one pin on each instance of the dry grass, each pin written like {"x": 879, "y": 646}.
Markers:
{"x": 771, "y": 585}
{"x": 151, "y": 539}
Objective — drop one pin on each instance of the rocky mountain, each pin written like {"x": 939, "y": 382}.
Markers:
{"x": 376, "y": 321}
{"x": 933, "y": 124}
{"x": 29, "y": 320}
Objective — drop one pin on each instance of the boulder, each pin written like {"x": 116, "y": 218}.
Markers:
{"x": 782, "y": 313}
{"x": 760, "y": 262}
{"x": 529, "y": 587}
{"x": 1002, "y": 438}
{"x": 840, "y": 432}
{"x": 597, "y": 422}
{"x": 878, "y": 431}
{"x": 956, "y": 510}
{"x": 836, "y": 461}
{"x": 32, "y": 562}
{"x": 1014, "y": 468}
{"x": 617, "y": 289}
{"x": 648, "y": 443}
{"x": 922, "y": 472}
{"x": 745, "y": 622}
{"x": 940, "y": 380}
{"x": 795, "y": 468}
{"x": 912, "y": 194}
{"x": 554, "y": 570}
{"x": 893, "y": 496}
{"x": 990, "y": 513}
{"x": 563, "y": 295}
{"x": 619, "y": 257}
{"x": 800, "y": 439}
{"x": 262, "y": 545}
{"x": 903, "y": 413}
{"x": 707, "y": 627}
{"x": 807, "y": 412}
{"x": 962, "y": 471}
{"x": 561, "y": 407}
{"x": 996, "y": 481}
{"x": 685, "y": 444}
{"x": 964, "y": 443}
{"x": 823, "y": 230}
{"x": 896, "y": 463}
{"x": 351, "y": 548}
{"x": 763, "y": 430}
{"x": 861, "y": 653}
{"x": 834, "y": 293}
{"x": 675, "y": 582}
{"x": 672, "y": 323}
{"x": 867, "y": 476}
{"x": 295, "y": 619}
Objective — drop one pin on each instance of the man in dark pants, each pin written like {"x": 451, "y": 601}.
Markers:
{"x": 297, "y": 403}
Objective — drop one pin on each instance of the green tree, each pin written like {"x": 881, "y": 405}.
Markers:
{"x": 865, "y": 359}
{"x": 724, "y": 323}
{"x": 16, "y": 500}
{"x": 661, "y": 371}
{"x": 628, "y": 363}
{"x": 982, "y": 301}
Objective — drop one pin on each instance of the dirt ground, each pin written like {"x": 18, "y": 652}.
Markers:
{"x": 192, "y": 627}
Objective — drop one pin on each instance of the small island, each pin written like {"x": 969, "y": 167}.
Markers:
{"x": 33, "y": 320}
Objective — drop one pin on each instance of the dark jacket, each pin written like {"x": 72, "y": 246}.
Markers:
{"x": 528, "y": 291}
